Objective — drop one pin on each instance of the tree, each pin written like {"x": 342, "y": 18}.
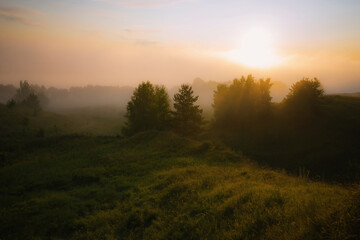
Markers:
{"x": 304, "y": 96}
{"x": 187, "y": 116}
{"x": 162, "y": 108}
{"x": 149, "y": 108}
{"x": 241, "y": 103}
{"x": 32, "y": 102}
{"x": 23, "y": 92}
{"x": 27, "y": 97}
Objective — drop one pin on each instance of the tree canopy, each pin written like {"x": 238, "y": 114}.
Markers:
{"x": 243, "y": 101}
{"x": 27, "y": 97}
{"x": 23, "y": 92}
{"x": 187, "y": 117}
{"x": 149, "y": 108}
{"x": 304, "y": 96}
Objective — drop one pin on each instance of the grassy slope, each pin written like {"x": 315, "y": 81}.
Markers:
{"x": 160, "y": 186}
{"x": 327, "y": 144}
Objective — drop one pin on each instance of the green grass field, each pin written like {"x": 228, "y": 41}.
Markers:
{"x": 70, "y": 175}
{"x": 157, "y": 185}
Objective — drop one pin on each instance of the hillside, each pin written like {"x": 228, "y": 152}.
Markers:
{"x": 156, "y": 185}
{"x": 326, "y": 144}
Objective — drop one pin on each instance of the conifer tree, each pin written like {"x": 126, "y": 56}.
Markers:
{"x": 187, "y": 116}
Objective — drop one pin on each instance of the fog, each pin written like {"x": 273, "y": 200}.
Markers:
{"x": 58, "y": 99}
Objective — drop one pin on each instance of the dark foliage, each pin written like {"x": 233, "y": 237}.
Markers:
{"x": 304, "y": 97}
{"x": 306, "y": 131}
{"x": 27, "y": 97}
{"x": 149, "y": 108}
{"x": 187, "y": 117}
{"x": 23, "y": 92}
{"x": 246, "y": 100}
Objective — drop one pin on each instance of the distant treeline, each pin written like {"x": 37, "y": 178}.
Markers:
{"x": 74, "y": 96}
{"x": 111, "y": 95}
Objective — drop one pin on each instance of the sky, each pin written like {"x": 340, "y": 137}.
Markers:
{"x": 124, "y": 42}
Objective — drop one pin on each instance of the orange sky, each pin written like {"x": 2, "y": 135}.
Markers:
{"x": 116, "y": 42}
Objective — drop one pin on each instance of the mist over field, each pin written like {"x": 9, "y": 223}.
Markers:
{"x": 180, "y": 119}
{"x": 95, "y": 96}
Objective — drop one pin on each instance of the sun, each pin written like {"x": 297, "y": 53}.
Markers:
{"x": 256, "y": 49}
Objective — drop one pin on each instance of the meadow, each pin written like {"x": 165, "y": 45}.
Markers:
{"x": 154, "y": 185}
{"x": 180, "y": 119}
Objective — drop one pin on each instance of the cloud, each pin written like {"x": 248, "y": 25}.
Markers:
{"x": 19, "y": 15}
{"x": 140, "y": 31}
{"x": 144, "y": 3}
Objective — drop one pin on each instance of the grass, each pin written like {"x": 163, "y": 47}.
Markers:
{"x": 325, "y": 144}
{"x": 156, "y": 185}
{"x": 107, "y": 120}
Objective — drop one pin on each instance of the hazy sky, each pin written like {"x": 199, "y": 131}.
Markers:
{"x": 123, "y": 42}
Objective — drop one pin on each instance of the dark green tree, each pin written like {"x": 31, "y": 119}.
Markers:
{"x": 149, "y": 108}
{"x": 162, "y": 108}
{"x": 187, "y": 117}
{"x": 140, "y": 115}
{"x": 304, "y": 96}
{"x": 243, "y": 102}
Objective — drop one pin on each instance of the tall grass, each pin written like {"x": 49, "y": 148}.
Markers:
{"x": 161, "y": 186}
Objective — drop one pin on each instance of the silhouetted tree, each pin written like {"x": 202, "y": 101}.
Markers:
{"x": 304, "y": 96}
{"x": 40, "y": 92}
{"x": 265, "y": 98}
{"x": 244, "y": 101}
{"x": 28, "y": 97}
{"x": 187, "y": 117}
{"x": 23, "y": 92}
{"x": 149, "y": 108}
{"x": 32, "y": 102}
{"x": 162, "y": 108}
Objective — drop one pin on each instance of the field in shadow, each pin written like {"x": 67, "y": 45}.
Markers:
{"x": 157, "y": 185}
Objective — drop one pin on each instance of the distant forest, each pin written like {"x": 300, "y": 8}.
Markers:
{"x": 119, "y": 96}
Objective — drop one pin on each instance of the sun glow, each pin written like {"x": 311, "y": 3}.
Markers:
{"x": 256, "y": 49}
